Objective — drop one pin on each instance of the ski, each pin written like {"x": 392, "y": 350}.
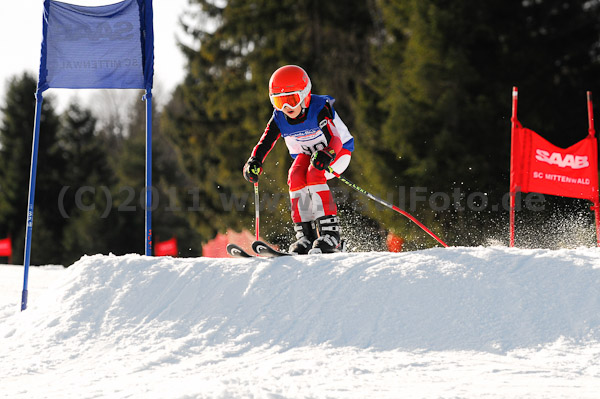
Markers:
{"x": 237, "y": 252}
{"x": 264, "y": 249}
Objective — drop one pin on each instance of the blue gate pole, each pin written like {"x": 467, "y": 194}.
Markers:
{"x": 148, "y": 98}
{"x": 32, "y": 174}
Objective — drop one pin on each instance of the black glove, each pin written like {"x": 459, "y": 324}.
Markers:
{"x": 322, "y": 158}
{"x": 252, "y": 169}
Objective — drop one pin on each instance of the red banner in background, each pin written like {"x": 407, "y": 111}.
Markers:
{"x": 6, "y": 247}
{"x": 166, "y": 248}
{"x": 394, "y": 243}
{"x": 217, "y": 247}
{"x": 541, "y": 167}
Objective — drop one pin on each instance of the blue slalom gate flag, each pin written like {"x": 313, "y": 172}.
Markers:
{"x": 105, "y": 47}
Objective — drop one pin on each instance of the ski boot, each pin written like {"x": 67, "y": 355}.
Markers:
{"x": 329, "y": 241}
{"x": 306, "y": 234}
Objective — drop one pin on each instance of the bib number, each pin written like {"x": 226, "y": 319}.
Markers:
{"x": 309, "y": 150}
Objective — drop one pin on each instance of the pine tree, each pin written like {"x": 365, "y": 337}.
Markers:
{"x": 87, "y": 179}
{"x": 170, "y": 186}
{"x": 16, "y": 135}
{"x": 441, "y": 94}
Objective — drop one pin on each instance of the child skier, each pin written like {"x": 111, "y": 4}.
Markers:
{"x": 316, "y": 138}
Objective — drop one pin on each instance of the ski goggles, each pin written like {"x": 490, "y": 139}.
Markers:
{"x": 291, "y": 99}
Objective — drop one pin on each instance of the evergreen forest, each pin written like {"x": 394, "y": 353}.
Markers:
{"x": 423, "y": 85}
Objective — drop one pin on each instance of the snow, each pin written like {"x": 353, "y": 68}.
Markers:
{"x": 485, "y": 322}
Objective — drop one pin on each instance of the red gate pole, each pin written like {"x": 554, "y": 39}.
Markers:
{"x": 513, "y": 193}
{"x": 592, "y": 134}
{"x": 10, "y": 256}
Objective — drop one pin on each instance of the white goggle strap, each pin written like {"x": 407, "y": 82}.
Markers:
{"x": 305, "y": 92}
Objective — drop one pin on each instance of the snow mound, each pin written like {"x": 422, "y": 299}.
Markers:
{"x": 479, "y": 299}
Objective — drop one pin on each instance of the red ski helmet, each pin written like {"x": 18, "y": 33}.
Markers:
{"x": 289, "y": 85}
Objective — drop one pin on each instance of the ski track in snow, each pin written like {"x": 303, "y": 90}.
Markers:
{"x": 485, "y": 322}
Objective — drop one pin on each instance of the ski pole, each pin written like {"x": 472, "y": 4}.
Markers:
{"x": 382, "y": 202}
{"x": 256, "y": 208}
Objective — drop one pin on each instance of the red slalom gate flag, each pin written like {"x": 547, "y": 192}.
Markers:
{"x": 6, "y": 247}
{"x": 166, "y": 248}
{"x": 541, "y": 167}
{"x": 536, "y": 165}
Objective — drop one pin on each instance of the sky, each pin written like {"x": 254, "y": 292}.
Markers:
{"x": 21, "y": 33}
